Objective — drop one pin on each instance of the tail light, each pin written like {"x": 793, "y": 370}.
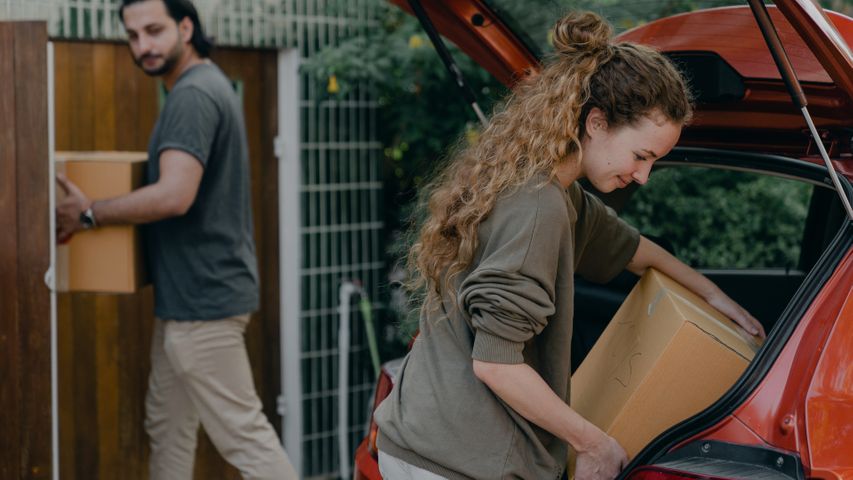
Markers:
{"x": 655, "y": 473}
{"x": 384, "y": 384}
{"x": 715, "y": 460}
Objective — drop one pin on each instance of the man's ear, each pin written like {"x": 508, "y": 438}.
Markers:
{"x": 596, "y": 122}
{"x": 186, "y": 27}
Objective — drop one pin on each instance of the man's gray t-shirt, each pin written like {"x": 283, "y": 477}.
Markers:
{"x": 203, "y": 263}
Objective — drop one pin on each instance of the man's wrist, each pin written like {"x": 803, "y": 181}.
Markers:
{"x": 87, "y": 217}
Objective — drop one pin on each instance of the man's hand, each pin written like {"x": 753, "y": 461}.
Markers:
{"x": 602, "y": 461}
{"x": 68, "y": 210}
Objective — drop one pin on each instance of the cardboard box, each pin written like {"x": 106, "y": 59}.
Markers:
{"x": 107, "y": 259}
{"x": 664, "y": 357}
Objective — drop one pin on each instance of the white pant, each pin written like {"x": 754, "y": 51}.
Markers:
{"x": 392, "y": 468}
{"x": 200, "y": 374}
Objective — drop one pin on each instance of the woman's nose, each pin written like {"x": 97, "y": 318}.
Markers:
{"x": 641, "y": 175}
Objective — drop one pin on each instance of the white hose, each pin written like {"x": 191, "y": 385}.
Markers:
{"x": 345, "y": 294}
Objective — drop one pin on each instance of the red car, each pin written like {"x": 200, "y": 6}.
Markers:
{"x": 790, "y": 415}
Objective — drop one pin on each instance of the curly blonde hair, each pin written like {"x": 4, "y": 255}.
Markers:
{"x": 537, "y": 130}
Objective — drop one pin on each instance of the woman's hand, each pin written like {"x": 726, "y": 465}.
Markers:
{"x": 731, "y": 309}
{"x": 649, "y": 254}
{"x": 600, "y": 457}
{"x": 602, "y": 461}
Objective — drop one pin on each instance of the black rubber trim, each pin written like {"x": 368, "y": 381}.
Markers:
{"x": 759, "y": 161}
{"x": 729, "y": 460}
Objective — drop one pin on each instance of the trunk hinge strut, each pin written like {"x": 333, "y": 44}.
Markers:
{"x": 759, "y": 10}
{"x": 447, "y": 59}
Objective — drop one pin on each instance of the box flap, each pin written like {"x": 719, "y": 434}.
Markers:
{"x": 101, "y": 156}
{"x": 697, "y": 311}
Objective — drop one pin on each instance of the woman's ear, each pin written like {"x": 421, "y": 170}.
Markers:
{"x": 596, "y": 122}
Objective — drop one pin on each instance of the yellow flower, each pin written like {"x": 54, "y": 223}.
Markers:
{"x": 472, "y": 133}
{"x": 415, "y": 41}
{"x": 333, "y": 87}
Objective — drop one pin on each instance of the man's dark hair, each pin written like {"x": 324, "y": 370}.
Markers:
{"x": 178, "y": 10}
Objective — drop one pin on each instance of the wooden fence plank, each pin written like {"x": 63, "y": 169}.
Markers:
{"x": 127, "y": 85}
{"x": 67, "y": 401}
{"x": 107, "y": 343}
{"x": 81, "y": 123}
{"x": 86, "y": 447}
{"x": 10, "y": 362}
{"x": 135, "y": 326}
{"x": 103, "y": 72}
{"x": 63, "y": 96}
{"x": 34, "y": 240}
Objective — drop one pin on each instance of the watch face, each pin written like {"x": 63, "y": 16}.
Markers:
{"x": 87, "y": 219}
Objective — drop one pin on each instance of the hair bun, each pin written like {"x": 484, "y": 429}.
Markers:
{"x": 581, "y": 32}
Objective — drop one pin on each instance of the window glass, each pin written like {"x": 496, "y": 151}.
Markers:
{"x": 717, "y": 218}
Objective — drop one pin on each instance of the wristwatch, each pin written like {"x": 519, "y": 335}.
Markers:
{"x": 87, "y": 219}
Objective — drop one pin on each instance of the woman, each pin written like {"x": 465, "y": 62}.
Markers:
{"x": 483, "y": 393}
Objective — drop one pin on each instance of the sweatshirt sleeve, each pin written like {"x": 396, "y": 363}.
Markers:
{"x": 509, "y": 294}
{"x": 604, "y": 242}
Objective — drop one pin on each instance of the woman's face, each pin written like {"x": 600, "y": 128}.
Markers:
{"x": 615, "y": 157}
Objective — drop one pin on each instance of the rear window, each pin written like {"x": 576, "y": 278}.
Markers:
{"x": 715, "y": 218}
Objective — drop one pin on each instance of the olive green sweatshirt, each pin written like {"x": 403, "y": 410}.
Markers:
{"x": 513, "y": 305}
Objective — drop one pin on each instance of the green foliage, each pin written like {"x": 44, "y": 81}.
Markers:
{"x": 723, "y": 219}
{"x": 422, "y": 111}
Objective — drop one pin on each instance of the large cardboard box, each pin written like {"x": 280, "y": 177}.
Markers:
{"x": 664, "y": 357}
{"x": 107, "y": 259}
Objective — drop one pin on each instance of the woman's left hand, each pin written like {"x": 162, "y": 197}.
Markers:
{"x": 731, "y": 309}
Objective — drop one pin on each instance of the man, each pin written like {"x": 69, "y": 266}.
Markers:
{"x": 200, "y": 250}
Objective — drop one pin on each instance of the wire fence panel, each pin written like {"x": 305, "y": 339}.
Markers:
{"x": 341, "y": 234}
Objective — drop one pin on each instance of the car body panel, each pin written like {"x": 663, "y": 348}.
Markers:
{"x": 365, "y": 465}
{"x": 493, "y": 45}
{"x": 829, "y": 36}
{"x": 829, "y": 401}
{"x": 776, "y": 414}
{"x": 732, "y": 33}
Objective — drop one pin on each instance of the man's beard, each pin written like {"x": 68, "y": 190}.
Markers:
{"x": 169, "y": 62}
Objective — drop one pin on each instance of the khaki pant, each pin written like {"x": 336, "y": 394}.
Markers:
{"x": 200, "y": 374}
